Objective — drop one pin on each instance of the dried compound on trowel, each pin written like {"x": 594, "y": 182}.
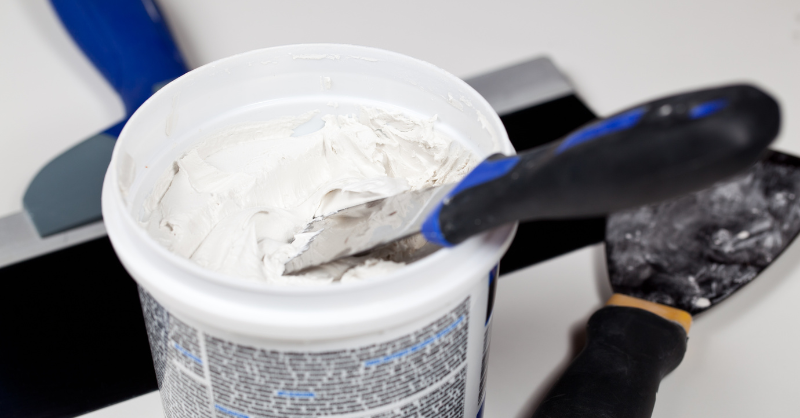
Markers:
{"x": 706, "y": 245}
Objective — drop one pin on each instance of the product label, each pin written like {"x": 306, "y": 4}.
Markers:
{"x": 176, "y": 356}
{"x": 420, "y": 374}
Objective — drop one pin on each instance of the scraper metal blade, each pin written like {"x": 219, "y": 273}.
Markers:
{"x": 695, "y": 251}
{"x": 363, "y": 227}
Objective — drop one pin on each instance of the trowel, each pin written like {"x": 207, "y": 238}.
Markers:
{"x": 667, "y": 263}
{"x": 645, "y": 154}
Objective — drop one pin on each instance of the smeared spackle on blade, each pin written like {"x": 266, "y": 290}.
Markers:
{"x": 694, "y": 251}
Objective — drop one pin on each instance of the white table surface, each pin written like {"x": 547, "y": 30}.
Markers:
{"x": 741, "y": 360}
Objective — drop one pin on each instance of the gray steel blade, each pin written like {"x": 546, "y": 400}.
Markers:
{"x": 697, "y": 250}
{"x": 360, "y": 228}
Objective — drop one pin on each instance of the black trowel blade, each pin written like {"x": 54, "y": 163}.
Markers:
{"x": 695, "y": 251}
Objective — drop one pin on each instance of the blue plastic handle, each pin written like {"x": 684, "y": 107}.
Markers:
{"x": 488, "y": 170}
{"x": 655, "y": 151}
{"x": 128, "y": 42}
{"x": 603, "y": 127}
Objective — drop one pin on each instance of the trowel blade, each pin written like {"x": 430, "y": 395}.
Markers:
{"x": 695, "y": 251}
{"x": 363, "y": 227}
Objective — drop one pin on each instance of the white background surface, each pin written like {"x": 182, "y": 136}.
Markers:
{"x": 741, "y": 360}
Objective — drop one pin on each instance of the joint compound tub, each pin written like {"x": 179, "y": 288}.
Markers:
{"x": 411, "y": 343}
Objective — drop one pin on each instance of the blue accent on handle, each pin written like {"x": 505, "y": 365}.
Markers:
{"x": 129, "y": 44}
{"x": 707, "y": 108}
{"x": 611, "y": 125}
{"x": 486, "y": 171}
{"x": 431, "y": 229}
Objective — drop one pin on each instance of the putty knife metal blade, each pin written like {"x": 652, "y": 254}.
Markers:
{"x": 360, "y": 228}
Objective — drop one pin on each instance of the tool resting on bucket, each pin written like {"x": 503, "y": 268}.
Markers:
{"x": 668, "y": 262}
{"x": 651, "y": 152}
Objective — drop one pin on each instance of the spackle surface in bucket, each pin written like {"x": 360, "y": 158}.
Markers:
{"x": 238, "y": 201}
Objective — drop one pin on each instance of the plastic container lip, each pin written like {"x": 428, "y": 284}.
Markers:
{"x": 495, "y": 241}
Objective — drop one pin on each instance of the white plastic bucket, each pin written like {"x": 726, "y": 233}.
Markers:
{"x": 412, "y": 343}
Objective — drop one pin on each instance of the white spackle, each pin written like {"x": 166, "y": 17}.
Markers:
{"x": 486, "y": 125}
{"x": 126, "y": 172}
{"x": 326, "y": 83}
{"x": 743, "y": 235}
{"x": 455, "y": 103}
{"x": 362, "y": 58}
{"x": 315, "y": 56}
{"x": 238, "y": 201}
{"x": 702, "y": 303}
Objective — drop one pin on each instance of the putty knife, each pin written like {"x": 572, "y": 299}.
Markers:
{"x": 130, "y": 45}
{"x": 654, "y": 151}
{"x": 667, "y": 262}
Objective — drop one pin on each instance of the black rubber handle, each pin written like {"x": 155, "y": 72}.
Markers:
{"x": 628, "y": 352}
{"x": 643, "y": 155}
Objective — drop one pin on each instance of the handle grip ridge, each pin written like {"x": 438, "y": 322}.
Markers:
{"x": 628, "y": 352}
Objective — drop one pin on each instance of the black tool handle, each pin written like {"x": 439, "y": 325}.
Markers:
{"x": 628, "y": 352}
{"x": 643, "y": 155}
